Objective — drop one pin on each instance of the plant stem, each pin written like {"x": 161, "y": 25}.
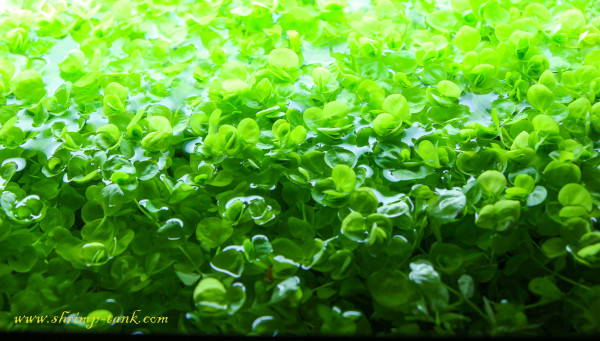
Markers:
{"x": 469, "y": 302}
{"x": 187, "y": 255}
{"x": 146, "y": 213}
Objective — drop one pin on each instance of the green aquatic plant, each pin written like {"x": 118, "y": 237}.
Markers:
{"x": 301, "y": 167}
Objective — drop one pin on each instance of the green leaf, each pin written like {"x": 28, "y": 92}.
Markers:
{"x": 283, "y": 58}
{"x": 74, "y": 62}
{"x": 540, "y": 97}
{"x": 475, "y": 163}
{"x": 28, "y": 85}
{"x": 213, "y": 231}
{"x": 537, "y": 196}
{"x": 391, "y": 288}
{"x": 554, "y": 247}
{"x": 229, "y": 261}
{"x": 544, "y": 287}
{"x": 447, "y": 257}
{"x": 385, "y": 124}
{"x": 365, "y": 201}
{"x": 353, "y": 227}
{"x": 428, "y": 153}
{"x": 248, "y": 130}
{"x": 344, "y": 177}
{"x": 467, "y": 39}
{"x": 492, "y": 183}
{"x": 336, "y": 155}
{"x": 447, "y": 206}
{"x": 466, "y": 285}
{"x": 545, "y": 124}
{"x": 575, "y": 195}
{"x": 501, "y": 216}
{"x": 397, "y": 106}
{"x": 210, "y": 297}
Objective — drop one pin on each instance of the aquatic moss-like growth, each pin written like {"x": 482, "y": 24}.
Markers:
{"x": 301, "y": 167}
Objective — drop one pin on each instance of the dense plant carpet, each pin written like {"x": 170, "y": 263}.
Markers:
{"x": 301, "y": 167}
